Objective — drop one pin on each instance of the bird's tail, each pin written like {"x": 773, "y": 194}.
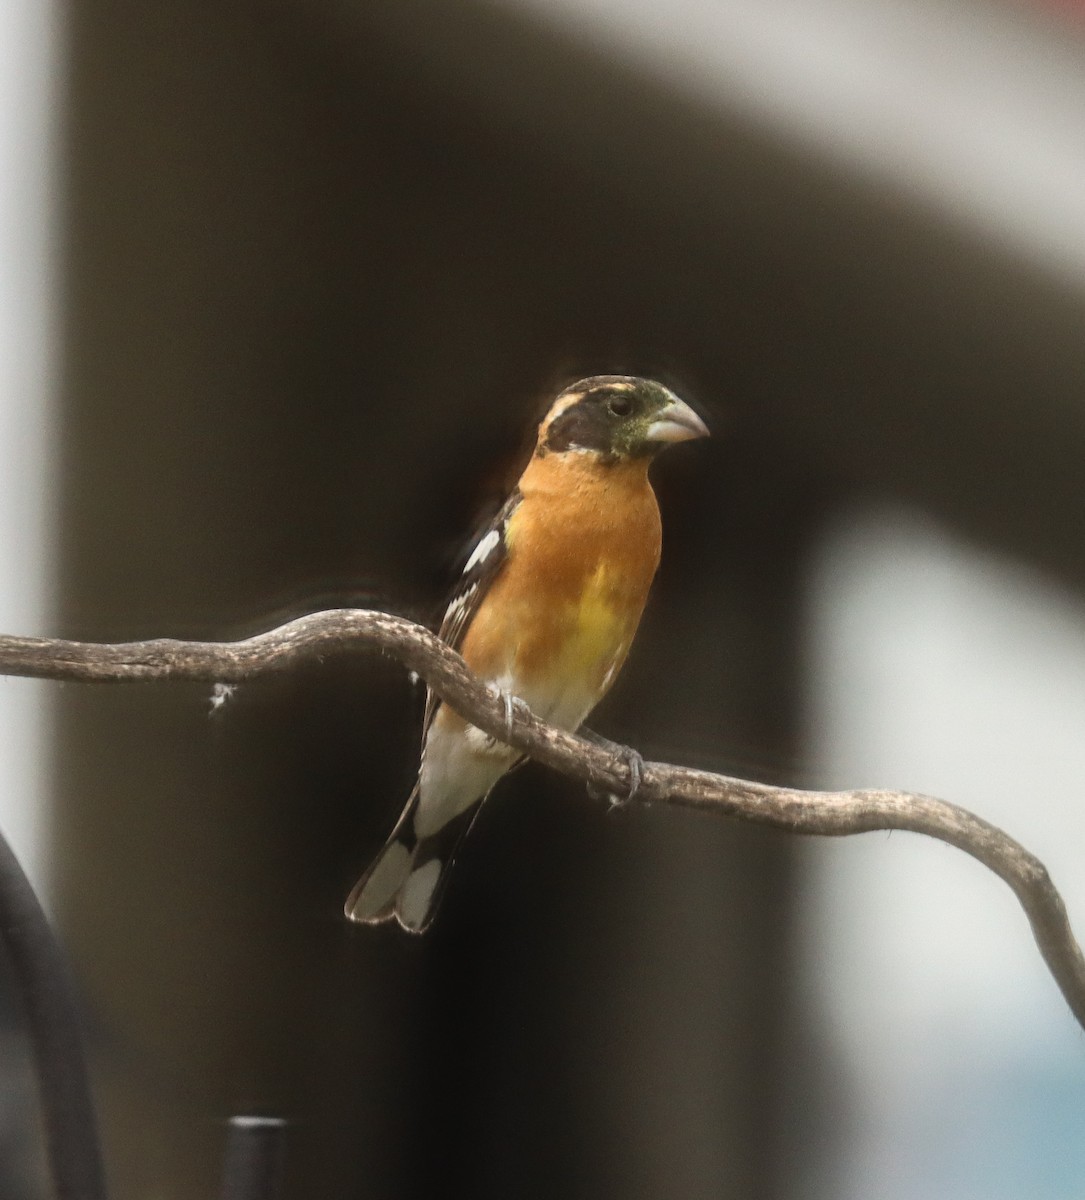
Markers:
{"x": 406, "y": 880}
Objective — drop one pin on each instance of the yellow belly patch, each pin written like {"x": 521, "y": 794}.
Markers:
{"x": 597, "y": 629}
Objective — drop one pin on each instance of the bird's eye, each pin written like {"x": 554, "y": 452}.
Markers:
{"x": 620, "y": 406}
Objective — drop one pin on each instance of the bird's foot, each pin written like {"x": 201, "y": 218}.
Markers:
{"x": 512, "y": 704}
{"x": 634, "y": 764}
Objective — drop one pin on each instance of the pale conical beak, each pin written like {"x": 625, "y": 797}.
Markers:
{"x": 676, "y": 423}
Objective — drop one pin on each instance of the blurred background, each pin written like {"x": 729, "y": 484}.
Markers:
{"x": 283, "y": 289}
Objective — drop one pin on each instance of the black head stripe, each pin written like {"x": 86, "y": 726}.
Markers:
{"x": 603, "y": 417}
{"x": 584, "y": 426}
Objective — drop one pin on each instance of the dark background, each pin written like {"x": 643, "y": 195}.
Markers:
{"x": 322, "y": 273}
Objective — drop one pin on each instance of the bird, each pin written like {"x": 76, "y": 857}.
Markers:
{"x": 545, "y": 611}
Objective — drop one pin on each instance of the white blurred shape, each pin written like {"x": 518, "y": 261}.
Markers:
{"x": 28, "y": 48}
{"x": 974, "y": 108}
{"x": 941, "y": 670}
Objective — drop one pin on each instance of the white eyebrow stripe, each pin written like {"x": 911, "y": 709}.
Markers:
{"x": 564, "y": 402}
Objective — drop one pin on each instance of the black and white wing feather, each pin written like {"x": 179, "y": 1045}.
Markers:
{"x": 406, "y": 879}
{"x": 483, "y": 565}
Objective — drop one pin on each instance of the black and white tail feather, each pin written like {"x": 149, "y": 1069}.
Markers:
{"x": 407, "y": 879}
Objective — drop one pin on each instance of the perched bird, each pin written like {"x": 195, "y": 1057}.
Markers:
{"x": 546, "y": 609}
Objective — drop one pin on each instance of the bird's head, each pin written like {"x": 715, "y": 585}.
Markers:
{"x": 617, "y": 418}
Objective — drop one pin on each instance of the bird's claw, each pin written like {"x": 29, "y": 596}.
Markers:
{"x": 634, "y": 764}
{"x": 513, "y": 705}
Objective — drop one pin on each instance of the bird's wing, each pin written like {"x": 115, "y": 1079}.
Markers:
{"x": 483, "y": 565}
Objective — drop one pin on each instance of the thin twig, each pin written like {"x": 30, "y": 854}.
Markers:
{"x": 48, "y": 995}
{"x": 832, "y": 814}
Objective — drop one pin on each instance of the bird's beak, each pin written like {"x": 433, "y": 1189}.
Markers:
{"x": 676, "y": 423}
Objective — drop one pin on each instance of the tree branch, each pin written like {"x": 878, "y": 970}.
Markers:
{"x": 832, "y": 814}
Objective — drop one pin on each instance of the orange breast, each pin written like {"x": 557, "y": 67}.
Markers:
{"x": 584, "y": 545}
